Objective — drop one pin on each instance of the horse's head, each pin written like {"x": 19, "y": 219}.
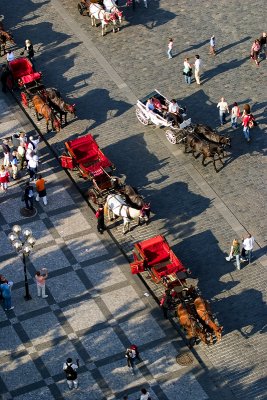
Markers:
{"x": 56, "y": 124}
{"x": 226, "y": 141}
{"x": 71, "y": 108}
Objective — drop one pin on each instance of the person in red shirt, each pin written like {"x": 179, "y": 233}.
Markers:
{"x": 245, "y": 123}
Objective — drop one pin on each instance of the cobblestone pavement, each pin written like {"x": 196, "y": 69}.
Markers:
{"x": 198, "y": 210}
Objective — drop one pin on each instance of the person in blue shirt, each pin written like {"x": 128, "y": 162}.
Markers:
{"x": 6, "y": 293}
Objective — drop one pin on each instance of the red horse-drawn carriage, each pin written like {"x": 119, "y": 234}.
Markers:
{"x": 23, "y": 74}
{"x": 155, "y": 256}
{"x": 85, "y": 155}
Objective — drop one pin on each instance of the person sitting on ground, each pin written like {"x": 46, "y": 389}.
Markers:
{"x": 174, "y": 113}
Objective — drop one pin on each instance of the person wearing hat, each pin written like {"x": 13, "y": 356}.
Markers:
{"x": 70, "y": 370}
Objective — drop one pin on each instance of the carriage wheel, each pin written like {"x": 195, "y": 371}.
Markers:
{"x": 141, "y": 117}
{"x": 171, "y": 137}
{"x": 92, "y": 196}
{"x": 24, "y": 99}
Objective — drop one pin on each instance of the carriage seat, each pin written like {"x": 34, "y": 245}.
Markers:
{"x": 157, "y": 252}
{"x": 173, "y": 267}
{"x": 35, "y": 76}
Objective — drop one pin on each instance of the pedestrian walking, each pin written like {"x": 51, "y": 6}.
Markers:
{"x": 223, "y": 109}
{"x": 235, "y": 114}
{"x": 262, "y": 41}
{"x": 6, "y": 294}
{"x": 212, "y": 46}
{"x": 6, "y": 151}
{"x": 131, "y": 355}
{"x": 198, "y": 65}
{"x": 170, "y": 47}
{"x": 100, "y": 219}
{"x": 4, "y": 178}
{"x": 246, "y": 123}
{"x": 235, "y": 252}
{"x": 70, "y": 370}
{"x": 21, "y": 156}
{"x": 14, "y": 165}
{"x": 255, "y": 51}
{"x": 145, "y": 395}
{"x": 187, "y": 71}
{"x": 23, "y": 139}
{"x": 29, "y": 50}
{"x": 41, "y": 189}
{"x": 247, "y": 249}
{"x": 40, "y": 278}
{"x": 28, "y": 196}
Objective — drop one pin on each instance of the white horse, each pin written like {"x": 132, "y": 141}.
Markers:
{"x": 116, "y": 205}
{"x": 98, "y": 13}
{"x": 111, "y": 7}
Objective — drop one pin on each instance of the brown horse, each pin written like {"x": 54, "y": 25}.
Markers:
{"x": 191, "y": 325}
{"x": 204, "y": 312}
{"x": 58, "y": 104}
{"x": 41, "y": 108}
{"x": 133, "y": 197}
{"x": 205, "y": 132}
{"x": 207, "y": 149}
{"x": 4, "y": 38}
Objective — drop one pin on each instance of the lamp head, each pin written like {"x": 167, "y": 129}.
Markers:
{"x": 27, "y": 232}
{"x": 16, "y": 229}
{"x": 31, "y": 241}
{"x": 12, "y": 237}
{"x": 26, "y": 249}
{"x": 17, "y": 245}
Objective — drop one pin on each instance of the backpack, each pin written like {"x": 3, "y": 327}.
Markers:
{"x": 71, "y": 374}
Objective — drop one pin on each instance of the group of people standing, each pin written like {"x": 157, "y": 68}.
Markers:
{"x": 23, "y": 156}
{"x": 248, "y": 120}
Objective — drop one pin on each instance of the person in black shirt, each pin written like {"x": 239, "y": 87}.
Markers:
{"x": 28, "y": 196}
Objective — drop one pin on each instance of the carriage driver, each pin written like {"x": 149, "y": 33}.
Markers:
{"x": 174, "y": 113}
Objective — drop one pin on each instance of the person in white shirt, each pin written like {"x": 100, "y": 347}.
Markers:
{"x": 145, "y": 394}
{"x": 174, "y": 112}
{"x": 170, "y": 46}
{"x": 247, "y": 249}
{"x": 32, "y": 167}
{"x": 198, "y": 65}
{"x": 10, "y": 56}
{"x": 33, "y": 144}
{"x": 223, "y": 109}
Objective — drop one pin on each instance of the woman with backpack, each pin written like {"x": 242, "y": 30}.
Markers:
{"x": 70, "y": 370}
{"x": 187, "y": 71}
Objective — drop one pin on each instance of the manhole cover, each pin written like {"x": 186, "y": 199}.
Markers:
{"x": 185, "y": 359}
{"x": 28, "y": 213}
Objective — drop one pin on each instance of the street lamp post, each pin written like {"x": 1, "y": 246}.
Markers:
{"x": 23, "y": 242}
